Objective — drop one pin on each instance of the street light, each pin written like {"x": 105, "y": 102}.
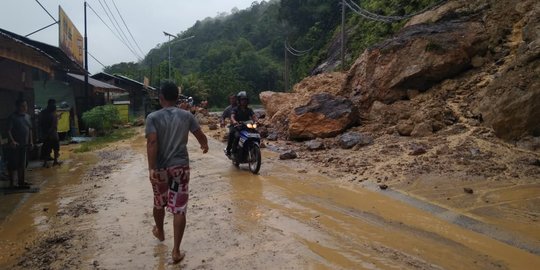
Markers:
{"x": 173, "y": 36}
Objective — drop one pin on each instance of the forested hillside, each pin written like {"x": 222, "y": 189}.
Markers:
{"x": 245, "y": 49}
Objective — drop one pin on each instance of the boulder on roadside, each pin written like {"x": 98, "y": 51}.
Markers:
{"x": 351, "y": 139}
{"x": 418, "y": 57}
{"x": 289, "y": 154}
{"x": 324, "y": 116}
{"x": 212, "y": 126}
{"x": 405, "y": 127}
{"x": 422, "y": 130}
{"x": 315, "y": 145}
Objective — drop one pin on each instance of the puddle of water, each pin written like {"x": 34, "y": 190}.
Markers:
{"x": 356, "y": 219}
{"x": 30, "y": 214}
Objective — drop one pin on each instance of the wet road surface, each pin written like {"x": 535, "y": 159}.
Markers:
{"x": 280, "y": 219}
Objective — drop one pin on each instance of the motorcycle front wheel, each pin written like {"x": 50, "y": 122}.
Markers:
{"x": 254, "y": 159}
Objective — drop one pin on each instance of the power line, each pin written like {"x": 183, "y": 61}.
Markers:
{"x": 113, "y": 31}
{"x": 383, "y": 18}
{"x": 96, "y": 60}
{"x": 118, "y": 33}
{"x": 296, "y": 52}
{"x": 119, "y": 27}
{"x": 46, "y": 11}
{"x": 129, "y": 31}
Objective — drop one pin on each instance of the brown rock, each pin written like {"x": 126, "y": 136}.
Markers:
{"x": 324, "y": 116}
{"x": 468, "y": 190}
{"x": 417, "y": 58}
{"x": 405, "y": 127}
{"x": 422, "y": 130}
{"x": 289, "y": 154}
{"x": 212, "y": 126}
{"x": 314, "y": 145}
{"x": 417, "y": 150}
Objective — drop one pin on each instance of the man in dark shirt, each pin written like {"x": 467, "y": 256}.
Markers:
{"x": 241, "y": 113}
{"x": 19, "y": 127}
{"x": 227, "y": 115}
{"x": 48, "y": 122}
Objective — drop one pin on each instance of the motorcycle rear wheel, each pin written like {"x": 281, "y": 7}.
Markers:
{"x": 254, "y": 158}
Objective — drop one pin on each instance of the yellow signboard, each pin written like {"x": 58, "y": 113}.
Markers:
{"x": 71, "y": 41}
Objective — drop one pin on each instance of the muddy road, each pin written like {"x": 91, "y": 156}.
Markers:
{"x": 95, "y": 212}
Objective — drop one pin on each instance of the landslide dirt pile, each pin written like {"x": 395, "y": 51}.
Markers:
{"x": 450, "y": 102}
{"x": 470, "y": 62}
{"x": 447, "y": 110}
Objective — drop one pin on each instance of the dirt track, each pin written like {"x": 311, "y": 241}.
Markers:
{"x": 96, "y": 214}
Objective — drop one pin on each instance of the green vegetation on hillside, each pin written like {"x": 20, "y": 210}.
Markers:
{"x": 244, "y": 50}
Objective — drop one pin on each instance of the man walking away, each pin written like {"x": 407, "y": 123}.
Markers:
{"x": 167, "y": 133}
{"x": 19, "y": 130}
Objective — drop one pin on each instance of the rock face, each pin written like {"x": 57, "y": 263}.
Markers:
{"x": 511, "y": 102}
{"x": 417, "y": 58}
{"x": 324, "y": 116}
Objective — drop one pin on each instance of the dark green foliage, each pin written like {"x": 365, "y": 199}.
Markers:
{"x": 244, "y": 51}
{"x": 101, "y": 118}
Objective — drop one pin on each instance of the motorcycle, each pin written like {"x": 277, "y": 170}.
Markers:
{"x": 248, "y": 147}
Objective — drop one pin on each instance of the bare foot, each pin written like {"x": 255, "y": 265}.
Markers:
{"x": 177, "y": 256}
{"x": 159, "y": 235}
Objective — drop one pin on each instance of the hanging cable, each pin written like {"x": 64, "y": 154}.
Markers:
{"x": 294, "y": 51}
{"x": 122, "y": 33}
{"x": 129, "y": 31}
{"x": 97, "y": 60}
{"x": 138, "y": 57}
{"x": 382, "y": 18}
{"x": 118, "y": 32}
{"x": 46, "y": 11}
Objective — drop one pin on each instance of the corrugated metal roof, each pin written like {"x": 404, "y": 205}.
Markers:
{"x": 52, "y": 52}
{"x": 96, "y": 83}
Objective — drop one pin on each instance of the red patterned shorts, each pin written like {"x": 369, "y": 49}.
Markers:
{"x": 172, "y": 189}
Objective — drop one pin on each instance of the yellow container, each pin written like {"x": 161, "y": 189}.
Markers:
{"x": 123, "y": 110}
{"x": 63, "y": 121}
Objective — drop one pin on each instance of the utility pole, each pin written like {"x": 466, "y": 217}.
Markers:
{"x": 286, "y": 69}
{"x": 86, "y": 59}
{"x": 342, "y": 34}
{"x": 174, "y": 36}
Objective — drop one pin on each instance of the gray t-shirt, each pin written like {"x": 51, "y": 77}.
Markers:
{"x": 20, "y": 126}
{"x": 172, "y": 126}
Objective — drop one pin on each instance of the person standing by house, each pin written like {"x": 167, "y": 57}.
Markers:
{"x": 48, "y": 122}
{"x": 167, "y": 133}
{"x": 19, "y": 130}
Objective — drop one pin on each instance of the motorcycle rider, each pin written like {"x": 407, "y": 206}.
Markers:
{"x": 241, "y": 113}
{"x": 227, "y": 115}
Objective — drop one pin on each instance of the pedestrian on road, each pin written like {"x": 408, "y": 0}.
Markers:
{"x": 19, "y": 131}
{"x": 167, "y": 133}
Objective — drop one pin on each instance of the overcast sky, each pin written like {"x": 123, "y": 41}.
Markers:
{"x": 146, "y": 19}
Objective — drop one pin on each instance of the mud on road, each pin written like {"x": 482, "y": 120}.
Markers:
{"x": 97, "y": 214}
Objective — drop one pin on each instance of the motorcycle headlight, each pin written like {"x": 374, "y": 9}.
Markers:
{"x": 254, "y": 125}
{"x": 249, "y": 125}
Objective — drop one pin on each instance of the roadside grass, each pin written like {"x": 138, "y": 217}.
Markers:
{"x": 101, "y": 142}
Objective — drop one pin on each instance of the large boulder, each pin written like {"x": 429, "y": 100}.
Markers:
{"x": 324, "y": 116}
{"x": 417, "y": 58}
{"x": 279, "y": 106}
{"x": 274, "y": 101}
